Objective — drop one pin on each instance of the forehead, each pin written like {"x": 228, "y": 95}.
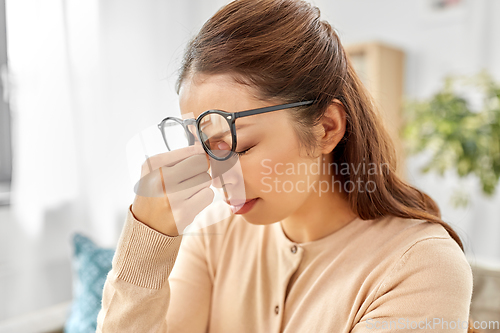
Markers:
{"x": 206, "y": 92}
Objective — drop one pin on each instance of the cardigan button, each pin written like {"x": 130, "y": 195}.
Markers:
{"x": 277, "y": 309}
{"x": 294, "y": 249}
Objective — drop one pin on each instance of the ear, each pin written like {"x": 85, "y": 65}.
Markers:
{"x": 332, "y": 126}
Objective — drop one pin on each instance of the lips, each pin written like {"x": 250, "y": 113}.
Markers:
{"x": 243, "y": 208}
{"x": 237, "y": 200}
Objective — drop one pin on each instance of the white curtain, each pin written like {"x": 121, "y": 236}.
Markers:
{"x": 88, "y": 75}
{"x": 45, "y": 165}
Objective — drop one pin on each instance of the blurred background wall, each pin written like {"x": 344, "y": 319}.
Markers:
{"x": 85, "y": 76}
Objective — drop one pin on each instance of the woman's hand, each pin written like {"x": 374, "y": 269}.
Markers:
{"x": 174, "y": 187}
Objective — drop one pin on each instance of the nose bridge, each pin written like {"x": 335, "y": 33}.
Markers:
{"x": 232, "y": 176}
{"x": 225, "y": 166}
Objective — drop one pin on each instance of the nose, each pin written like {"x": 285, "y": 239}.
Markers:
{"x": 221, "y": 167}
{"x": 231, "y": 181}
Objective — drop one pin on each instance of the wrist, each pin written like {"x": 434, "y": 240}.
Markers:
{"x": 157, "y": 218}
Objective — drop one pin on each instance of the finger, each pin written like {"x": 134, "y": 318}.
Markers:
{"x": 188, "y": 168}
{"x": 201, "y": 199}
{"x": 151, "y": 185}
{"x": 174, "y": 179}
{"x": 201, "y": 179}
{"x": 177, "y": 194}
{"x": 169, "y": 158}
{"x": 188, "y": 211}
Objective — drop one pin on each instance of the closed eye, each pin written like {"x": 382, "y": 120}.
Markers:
{"x": 244, "y": 151}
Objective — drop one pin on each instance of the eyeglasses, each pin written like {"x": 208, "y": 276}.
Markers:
{"x": 215, "y": 129}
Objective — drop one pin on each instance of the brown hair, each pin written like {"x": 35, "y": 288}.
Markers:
{"x": 286, "y": 51}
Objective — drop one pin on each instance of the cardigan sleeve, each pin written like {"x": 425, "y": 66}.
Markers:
{"x": 428, "y": 289}
{"x": 138, "y": 295}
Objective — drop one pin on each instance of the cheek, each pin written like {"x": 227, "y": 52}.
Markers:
{"x": 277, "y": 172}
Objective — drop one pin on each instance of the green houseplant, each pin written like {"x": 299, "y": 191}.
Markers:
{"x": 460, "y": 125}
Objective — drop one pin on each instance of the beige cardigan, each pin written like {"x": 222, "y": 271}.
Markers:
{"x": 235, "y": 277}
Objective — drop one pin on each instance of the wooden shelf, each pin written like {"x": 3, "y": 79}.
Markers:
{"x": 381, "y": 68}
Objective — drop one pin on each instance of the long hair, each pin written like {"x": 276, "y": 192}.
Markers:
{"x": 284, "y": 49}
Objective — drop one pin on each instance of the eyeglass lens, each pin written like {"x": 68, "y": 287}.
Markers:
{"x": 216, "y": 134}
{"x": 175, "y": 135}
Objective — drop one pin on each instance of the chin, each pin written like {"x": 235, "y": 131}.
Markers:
{"x": 257, "y": 221}
{"x": 261, "y": 218}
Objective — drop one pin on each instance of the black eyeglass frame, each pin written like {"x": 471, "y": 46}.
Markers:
{"x": 231, "y": 120}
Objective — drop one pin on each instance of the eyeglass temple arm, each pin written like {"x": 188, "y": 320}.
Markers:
{"x": 270, "y": 108}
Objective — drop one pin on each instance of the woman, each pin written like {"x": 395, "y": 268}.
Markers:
{"x": 369, "y": 253}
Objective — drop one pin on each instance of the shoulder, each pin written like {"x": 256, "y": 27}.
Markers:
{"x": 438, "y": 257}
{"x": 428, "y": 251}
{"x": 402, "y": 236}
{"x": 426, "y": 263}
{"x": 418, "y": 273}
{"x": 422, "y": 243}
{"x": 391, "y": 249}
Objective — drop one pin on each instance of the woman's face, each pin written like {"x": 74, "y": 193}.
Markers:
{"x": 270, "y": 168}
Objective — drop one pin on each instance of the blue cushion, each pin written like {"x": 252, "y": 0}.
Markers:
{"x": 91, "y": 265}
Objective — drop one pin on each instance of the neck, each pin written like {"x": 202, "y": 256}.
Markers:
{"x": 319, "y": 216}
